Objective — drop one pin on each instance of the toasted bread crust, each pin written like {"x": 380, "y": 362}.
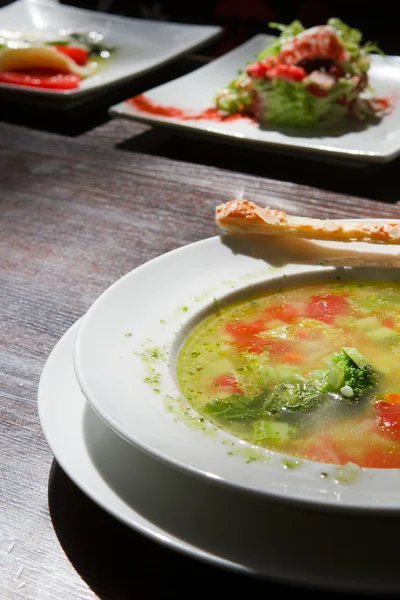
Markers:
{"x": 242, "y": 216}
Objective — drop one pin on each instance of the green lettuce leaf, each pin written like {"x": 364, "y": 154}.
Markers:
{"x": 290, "y": 103}
{"x": 287, "y": 32}
{"x": 351, "y": 39}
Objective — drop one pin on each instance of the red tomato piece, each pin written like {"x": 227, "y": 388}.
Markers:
{"x": 388, "y": 322}
{"x": 315, "y": 452}
{"x": 388, "y": 418}
{"x": 256, "y": 70}
{"x": 228, "y": 381}
{"x": 326, "y": 307}
{"x": 379, "y": 458}
{"x": 302, "y": 334}
{"x": 288, "y": 72}
{"x": 317, "y": 91}
{"x": 276, "y": 347}
{"x": 256, "y": 346}
{"x": 78, "y": 55}
{"x": 284, "y": 312}
{"x": 41, "y": 79}
{"x": 393, "y": 398}
{"x": 243, "y": 333}
{"x": 388, "y": 412}
{"x": 246, "y": 336}
{"x": 383, "y": 103}
{"x": 260, "y": 69}
{"x": 292, "y": 358}
{"x": 326, "y": 450}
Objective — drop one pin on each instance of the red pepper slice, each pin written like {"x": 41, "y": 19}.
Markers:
{"x": 77, "y": 54}
{"x": 41, "y": 79}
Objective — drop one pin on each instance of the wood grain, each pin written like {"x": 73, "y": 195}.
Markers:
{"x": 76, "y": 214}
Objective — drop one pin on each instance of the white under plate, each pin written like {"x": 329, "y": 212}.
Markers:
{"x": 126, "y": 350}
{"x": 141, "y": 45}
{"x": 242, "y": 533}
{"x": 349, "y": 139}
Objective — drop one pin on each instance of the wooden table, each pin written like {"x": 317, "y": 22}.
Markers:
{"x": 77, "y": 212}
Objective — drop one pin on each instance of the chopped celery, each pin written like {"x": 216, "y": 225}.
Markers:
{"x": 335, "y": 376}
{"x": 319, "y": 376}
{"x": 343, "y": 321}
{"x": 367, "y": 323}
{"x": 218, "y": 367}
{"x": 273, "y": 430}
{"x": 384, "y": 334}
{"x": 287, "y": 373}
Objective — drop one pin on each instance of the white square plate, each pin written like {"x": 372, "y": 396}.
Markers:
{"x": 194, "y": 92}
{"x": 141, "y": 44}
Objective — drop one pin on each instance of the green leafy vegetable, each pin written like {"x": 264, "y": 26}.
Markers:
{"x": 348, "y": 373}
{"x": 235, "y": 407}
{"x": 352, "y": 369}
{"x": 311, "y": 94}
{"x": 290, "y": 102}
{"x": 288, "y": 398}
{"x": 351, "y": 39}
{"x": 236, "y": 97}
{"x": 287, "y": 32}
{"x": 93, "y": 41}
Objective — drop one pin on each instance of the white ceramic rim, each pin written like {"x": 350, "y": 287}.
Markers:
{"x": 79, "y": 466}
{"x": 65, "y": 415}
{"x": 373, "y": 144}
{"x": 114, "y": 24}
{"x": 373, "y": 490}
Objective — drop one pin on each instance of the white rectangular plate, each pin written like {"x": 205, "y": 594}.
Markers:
{"x": 141, "y": 44}
{"x": 348, "y": 139}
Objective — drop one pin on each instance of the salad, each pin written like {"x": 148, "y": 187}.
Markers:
{"x": 306, "y": 76}
{"x": 56, "y": 63}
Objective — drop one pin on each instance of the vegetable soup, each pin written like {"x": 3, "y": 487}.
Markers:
{"x": 311, "y": 371}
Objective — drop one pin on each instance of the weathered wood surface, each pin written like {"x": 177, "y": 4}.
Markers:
{"x": 76, "y": 214}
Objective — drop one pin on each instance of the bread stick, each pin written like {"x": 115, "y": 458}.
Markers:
{"x": 242, "y": 216}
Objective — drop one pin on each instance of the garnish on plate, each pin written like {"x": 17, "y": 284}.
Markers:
{"x": 50, "y": 63}
{"x": 306, "y": 76}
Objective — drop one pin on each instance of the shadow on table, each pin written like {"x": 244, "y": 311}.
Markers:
{"x": 118, "y": 563}
{"x": 86, "y": 113}
{"x": 341, "y": 175}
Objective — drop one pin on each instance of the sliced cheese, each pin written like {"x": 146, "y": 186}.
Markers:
{"x": 41, "y": 57}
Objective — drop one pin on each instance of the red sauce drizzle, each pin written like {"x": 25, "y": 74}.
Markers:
{"x": 145, "y": 105}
